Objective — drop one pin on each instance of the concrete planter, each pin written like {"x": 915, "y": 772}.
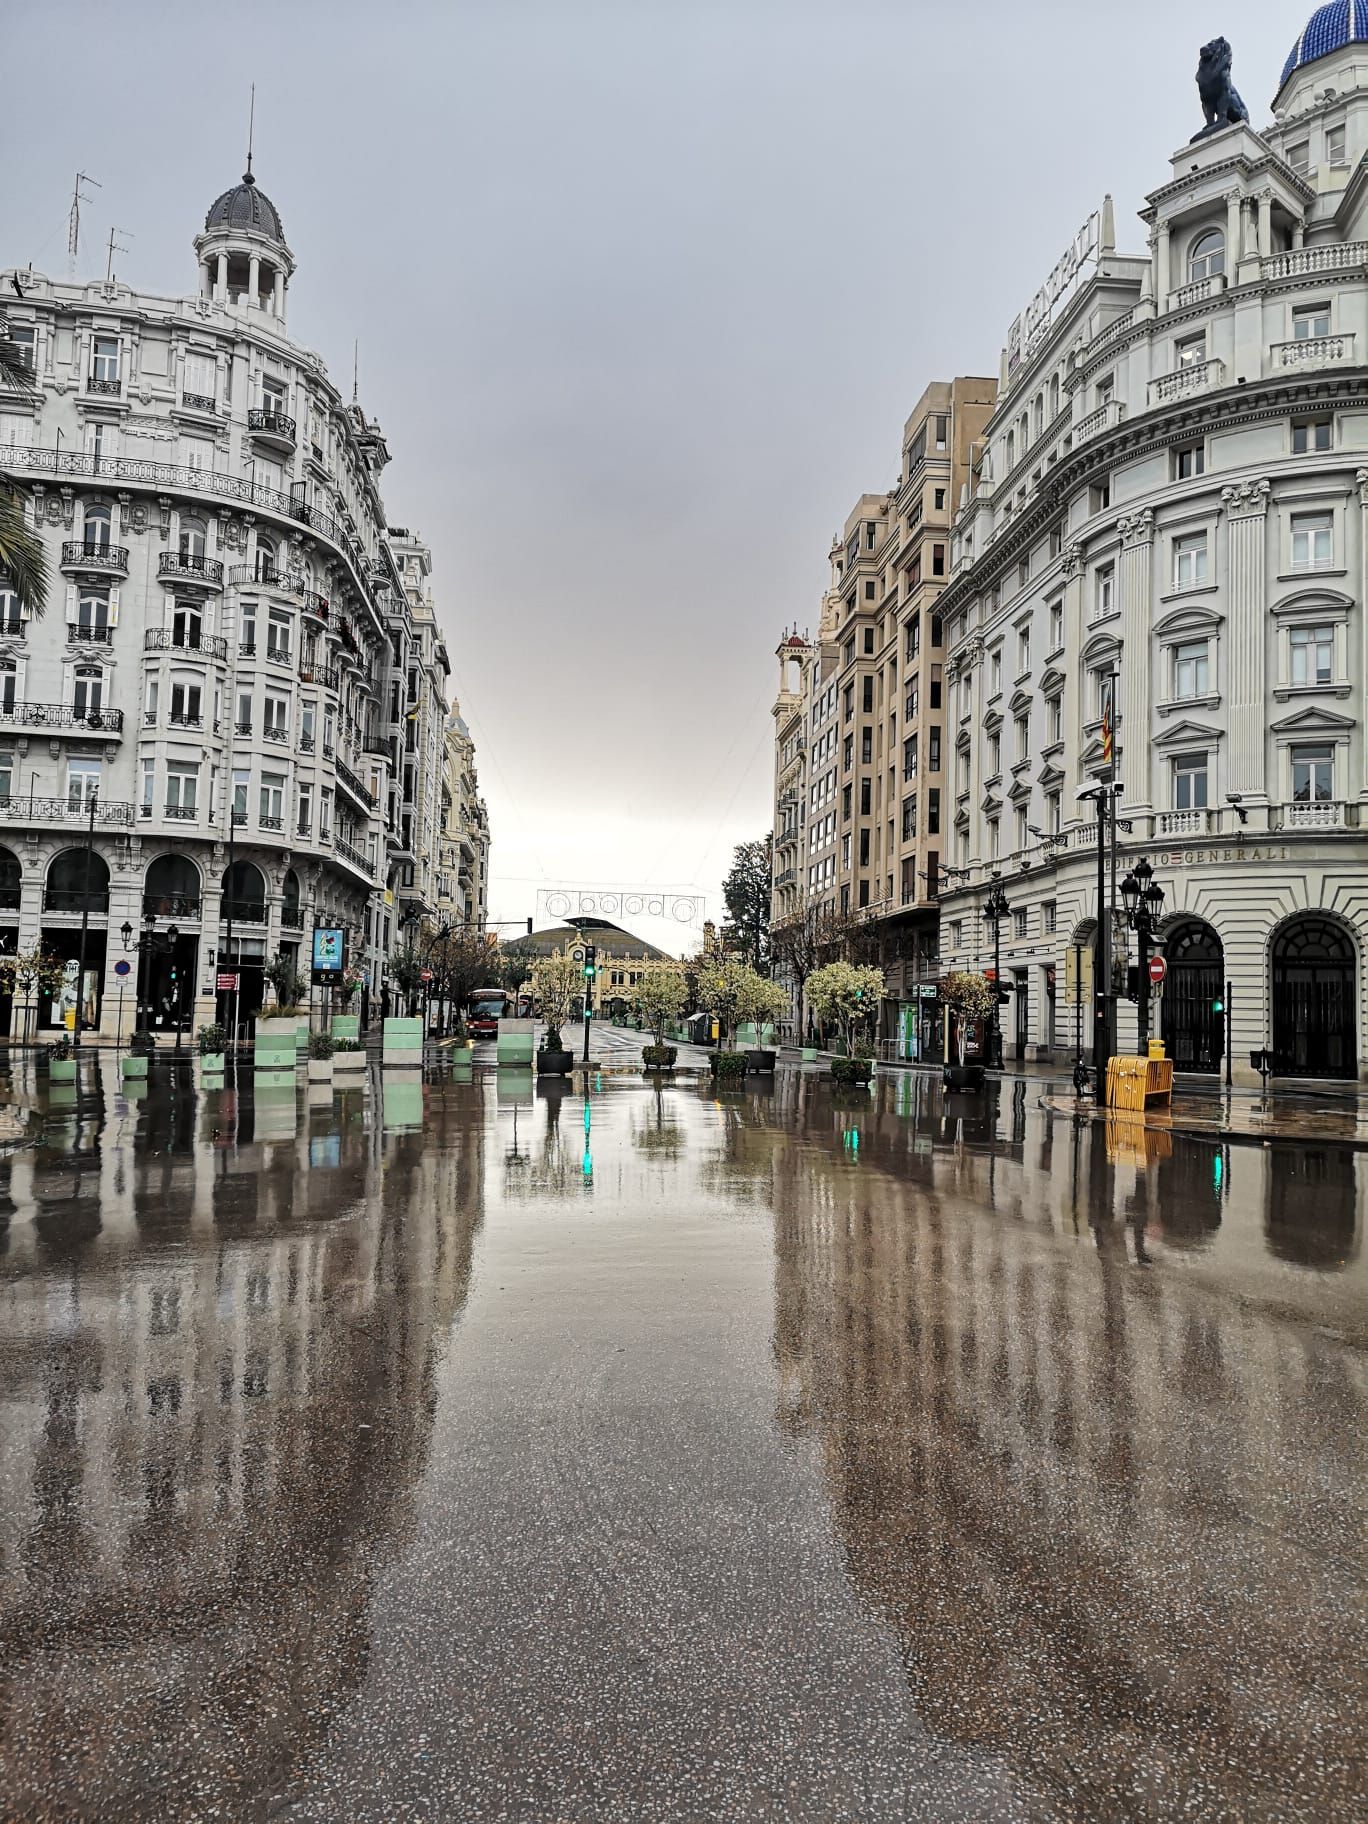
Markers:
{"x": 761, "y": 1062}
{"x": 555, "y": 1063}
{"x": 134, "y": 1065}
{"x": 967, "y": 1077}
{"x": 61, "y": 1070}
{"x": 348, "y": 1063}
{"x": 852, "y": 1070}
{"x": 320, "y": 1070}
{"x": 346, "y": 1026}
{"x": 213, "y": 1063}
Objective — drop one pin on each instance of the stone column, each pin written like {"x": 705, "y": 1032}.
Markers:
{"x": 1359, "y": 691}
{"x": 1265, "y": 223}
{"x": 221, "y": 281}
{"x": 1161, "y": 262}
{"x": 1234, "y": 238}
{"x": 1137, "y": 550}
{"x": 206, "y": 280}
{"x": 253, "y": 280}
{"x": 1246, "y": 510}
{"x": 278, "y": 299}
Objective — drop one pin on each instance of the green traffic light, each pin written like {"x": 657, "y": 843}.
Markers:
{"x": 1218, "y": 1006}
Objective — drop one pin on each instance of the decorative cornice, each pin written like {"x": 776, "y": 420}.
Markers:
{"x": 1247, "y": 499}
{"x": 1137, "y": 528}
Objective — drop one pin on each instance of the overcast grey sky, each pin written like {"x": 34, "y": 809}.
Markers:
{"x": 644, "y": 292}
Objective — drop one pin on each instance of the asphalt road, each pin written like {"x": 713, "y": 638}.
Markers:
{"x": 471, "y": 1451}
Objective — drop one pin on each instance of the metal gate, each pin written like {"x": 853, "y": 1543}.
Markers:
{"x": 1313, "y": 1001}
{"x": 1194, "y": 1032}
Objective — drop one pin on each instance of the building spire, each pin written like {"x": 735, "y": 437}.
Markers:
{"x": 356, "y": 369}
{"x": 247, "y": 177}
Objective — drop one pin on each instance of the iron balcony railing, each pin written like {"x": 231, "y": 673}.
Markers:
{"x": 172, "y": 905}
{"x": 89, "y": 636}
{"x": 325, "y": 675}
{"x": 189, "y": 567}
{"x": 109, "y": 813}
{"x": 352, "y": 783}
{"x": 96, "y": 384}
{"x": 265, "y": 423}
{"x": 243, "y": 911}
{"x": 198, "y": 402}
{"x": 352, "y": 854}
{"x": 75, "y": 899}
{"x": 291, "y": 917}
{"x": 165, "y": 639}
{"x": 171, "y": 477}
{"x": 62, "y": 715}
{"x": 108, "y": 560}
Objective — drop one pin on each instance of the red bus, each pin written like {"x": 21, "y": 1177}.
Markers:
{"x": 487, "y": 1008}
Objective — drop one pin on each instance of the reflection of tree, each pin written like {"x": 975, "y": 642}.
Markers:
{"x": 655, "y": 1135}
{"x": 1080, "y": 1492}
{"x": 207, "y": 1457}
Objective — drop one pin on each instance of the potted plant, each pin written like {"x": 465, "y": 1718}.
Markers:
{"x": 727, "y": 988}
{"x": 970, "y": 998}
{"x": 660, "y": 998}
{"x": 556, "y": 980}
{"x": 763, "y": 1003}
{"x": 61, "y": 1057}
{"x": 347, "y": 1025}
{"x": 140, "y": 1049}
{"x": 349, "y": 1056}
{"x": 213, "y": 1044}
{"x": 847, "y": 995}
{"x": 320, "y": 1057}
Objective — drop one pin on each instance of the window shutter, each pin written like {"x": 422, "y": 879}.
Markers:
{"x": 71, "y": 603}
{"x": 113, "y": 607}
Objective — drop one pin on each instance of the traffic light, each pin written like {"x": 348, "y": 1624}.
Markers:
{"x": 1218, "y": 1003}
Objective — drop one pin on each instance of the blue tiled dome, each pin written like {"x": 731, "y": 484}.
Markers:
{"x": 1330, "y": 28}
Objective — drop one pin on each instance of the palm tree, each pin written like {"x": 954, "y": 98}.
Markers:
{"x": 22, "y": 556}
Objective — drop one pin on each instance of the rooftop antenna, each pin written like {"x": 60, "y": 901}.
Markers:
{"x": 74, "y": 220}
{"x": 115, "y": 247}
{"x": 356, "y": 368}
{"x": 247, "y": 177}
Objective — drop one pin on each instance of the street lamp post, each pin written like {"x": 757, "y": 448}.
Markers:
{"x": 1143, "y": 899}
{"x": 1104, "y": 793}
{"x": 994, "y": 912}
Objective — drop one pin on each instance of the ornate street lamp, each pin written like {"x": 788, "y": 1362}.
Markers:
{"x": 994, "y": 912}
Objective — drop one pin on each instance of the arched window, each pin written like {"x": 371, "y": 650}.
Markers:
{"x": 9, "y": 680}
{"x": 89, "y": 693}
{"x": 10, "y": 878}
{"x": 265, "y": 570}
{"x": 96, "y": 528}
{"x": 11, "y": 619}
{"x": 192, "y": 538}
{"x": 92, "y": 613}
{"x": 1206, "y": 256}
{"x": 172, "y": 888}
{"x": 1011, "y": 452}
{"x": 1054, "y": 398}
{"x": 66, "y": 882}
{"x": 289, "y": 901}
{"x": 244, "y": 893}
{"x": 1039, "y": 414}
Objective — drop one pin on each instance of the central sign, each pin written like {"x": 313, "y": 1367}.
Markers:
{"x": 1077, "y": 260}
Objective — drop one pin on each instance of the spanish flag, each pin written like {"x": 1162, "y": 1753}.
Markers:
{"x": 1108, "y": 740}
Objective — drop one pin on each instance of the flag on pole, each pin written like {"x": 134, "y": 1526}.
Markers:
{"x": 1108, "y": 741}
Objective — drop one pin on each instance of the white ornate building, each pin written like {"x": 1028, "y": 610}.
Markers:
{"x": 1173, "y": 490}
{"x": 226, "y": 667}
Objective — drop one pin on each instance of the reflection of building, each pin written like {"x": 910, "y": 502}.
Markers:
{"x": 1172, "y": 490}
{"x": 233, "y": 644}
{"x": 1081, "y": 1488}
{"x": 218, "y": 1386}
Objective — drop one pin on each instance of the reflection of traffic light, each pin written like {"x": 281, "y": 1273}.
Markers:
{"x": 1217, "y": 1170}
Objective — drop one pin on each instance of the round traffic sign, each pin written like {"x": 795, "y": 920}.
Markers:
{"x": 426, "y": 975}
{"x": 1158, "y": 969}
{"x": 121, "y": 967}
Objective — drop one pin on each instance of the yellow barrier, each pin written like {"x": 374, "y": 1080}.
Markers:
{"x": 1132, "y": 1083}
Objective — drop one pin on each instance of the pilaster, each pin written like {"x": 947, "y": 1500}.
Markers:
{"x": 1137, "y": 582}
{"x": 1246, "y": 510}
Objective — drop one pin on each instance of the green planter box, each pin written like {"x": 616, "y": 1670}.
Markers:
{"x": 346, "y": 1026}
{"x": 134, "y": 1065}
{"x": 402, "y": 1043}
{"x": 61, "y": 1070}
{"x": 213, "y": 1063}
{"x": 516, "y": 1041}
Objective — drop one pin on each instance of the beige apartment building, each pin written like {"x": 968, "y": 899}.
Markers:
{"x": 859, "y": 726}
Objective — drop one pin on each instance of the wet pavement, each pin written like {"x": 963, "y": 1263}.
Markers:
{"x": 456, "y": 1450}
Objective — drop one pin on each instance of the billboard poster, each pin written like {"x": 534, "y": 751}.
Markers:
{"x": 329, "y": 950}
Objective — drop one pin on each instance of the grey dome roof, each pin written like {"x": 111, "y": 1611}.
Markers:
{"x": 246, "y": 206}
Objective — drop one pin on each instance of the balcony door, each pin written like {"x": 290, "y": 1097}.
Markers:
{"x": 187, "y": 625}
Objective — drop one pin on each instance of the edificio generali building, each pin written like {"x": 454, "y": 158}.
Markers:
{"x": 1163, "y": 551}
{"x": 230, "y": 721}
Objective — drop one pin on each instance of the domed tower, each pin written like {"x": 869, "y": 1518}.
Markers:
{"x": 243, "y": 257}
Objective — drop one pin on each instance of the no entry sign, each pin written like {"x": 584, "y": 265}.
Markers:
{"x": 1158, "y": 969}
{"x": 426, "y": 975}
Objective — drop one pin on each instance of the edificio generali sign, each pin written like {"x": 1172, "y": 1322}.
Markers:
{"x": 1077, "y": 261}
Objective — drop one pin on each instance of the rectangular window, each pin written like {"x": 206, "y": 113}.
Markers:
{"x": 270, "y": 801}
{"x": 933, "y": 811}
{"x": 244, "y": 712}
{"x": 847, "y": 753}
{"x": 276, "y": 722}
{"x": 864, "y": 848}
{"x": 933, "y": 750}
{"x": 149, "y": 781}
{"x": 1019, "y": 922}
{"x": 1191, "y": 669}
{"x": 1311, "y": 322}
{"x": 994, "y": 838}
{"x": 909, "y": 818}
{"x": 1310, "y": 434}
{"x": 1104, "y": 594}
{"x": 846, "y": 803}
{"x": 182, "y": 789}
{"x": 913, "y": 703}
{"x": 1313, "y": 773}
{"x": 1190, "y": 561}
{"x": 1056, "y": 626}
{"x": 1334, "y": 145}
{"x": 305, "y": 818}
{"x": 1049, "y": 917}
{"x": 1023, "y": 737}
{"x": 910, "y": 757}
{"x": 994, "y": 754}
{"x": 995, "y": 673}
{"x": 1056, "y": 718}
{"x": 242, "y": 780}
{"x": 22, "y": 335}
{"x": 938, "y": 560}
{"x": 864, "y": 797}
{"x": 1188, "y": 461}
{"x": 325, "y": 799}
{"x": 1190, "y": 351}
{"x": 1313, "y": 655}
{"x": 278, "y": 635}
{"x": 104, "y": 359}
{"x": 1313, "y": 541}
{"x": 867, "y": 695}
{"x": 1020, "y": 832}
{"x": 83, "y": 783}
{"x": 912, "y": 644}
{"x": 1024, "y": 650}
{"x": 1190, "y": 782}
{"x": 1052, "y": 813}
{"x": 187, "y": 710}
{"x": 866, "y": 746}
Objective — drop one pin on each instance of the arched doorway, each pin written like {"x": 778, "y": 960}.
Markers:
{"x": 167, "y": 965}
{"x": 243, "y": 901}
{"x": 172, "y": 888}
{"x": 1194, "y": 1031}
{"x": 77, "y": 881}
{"x": 1314, "y": 999}
{"x": 11, "y": 880}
